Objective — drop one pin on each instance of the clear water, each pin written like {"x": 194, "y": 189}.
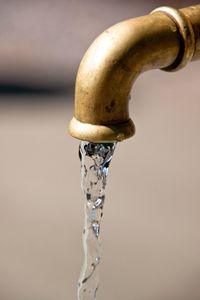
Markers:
{"x": 95, "y": 160}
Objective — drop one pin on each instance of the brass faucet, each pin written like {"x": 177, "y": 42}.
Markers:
{"x": 166, "y": 39}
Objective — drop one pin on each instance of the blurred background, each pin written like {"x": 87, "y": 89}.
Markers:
{"x": 151, "y": 240}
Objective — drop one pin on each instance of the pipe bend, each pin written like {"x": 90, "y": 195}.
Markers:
{"x": 109, "y": 69}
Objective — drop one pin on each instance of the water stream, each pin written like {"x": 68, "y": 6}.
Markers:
{"x": 95, "y": 160}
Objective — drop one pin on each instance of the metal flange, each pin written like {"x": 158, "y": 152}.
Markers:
{"x": 187, "y": 37}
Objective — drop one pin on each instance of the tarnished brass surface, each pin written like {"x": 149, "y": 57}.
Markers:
{"x": 166, "y": 39}
{"x": 187, "y": 37}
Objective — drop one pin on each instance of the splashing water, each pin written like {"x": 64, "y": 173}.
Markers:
{"x": 95, "y": 160}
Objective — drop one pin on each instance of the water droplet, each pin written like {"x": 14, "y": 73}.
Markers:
{"x": 96, "y": 228}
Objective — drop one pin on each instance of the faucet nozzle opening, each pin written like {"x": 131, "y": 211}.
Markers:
{"x": 101, "y": 133}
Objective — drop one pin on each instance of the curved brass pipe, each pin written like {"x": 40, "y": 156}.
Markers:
{"x": 166, "y": 39}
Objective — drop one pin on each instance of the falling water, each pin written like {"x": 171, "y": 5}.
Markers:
{"x": 95, "y": 160}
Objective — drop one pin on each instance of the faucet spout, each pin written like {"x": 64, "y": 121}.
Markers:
{"x": 166, "y": 39}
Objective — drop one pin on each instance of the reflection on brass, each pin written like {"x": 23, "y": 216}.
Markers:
{"x": 166, "y": 39}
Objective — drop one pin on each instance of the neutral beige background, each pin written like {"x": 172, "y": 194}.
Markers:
{"x": 150, "y": 231}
